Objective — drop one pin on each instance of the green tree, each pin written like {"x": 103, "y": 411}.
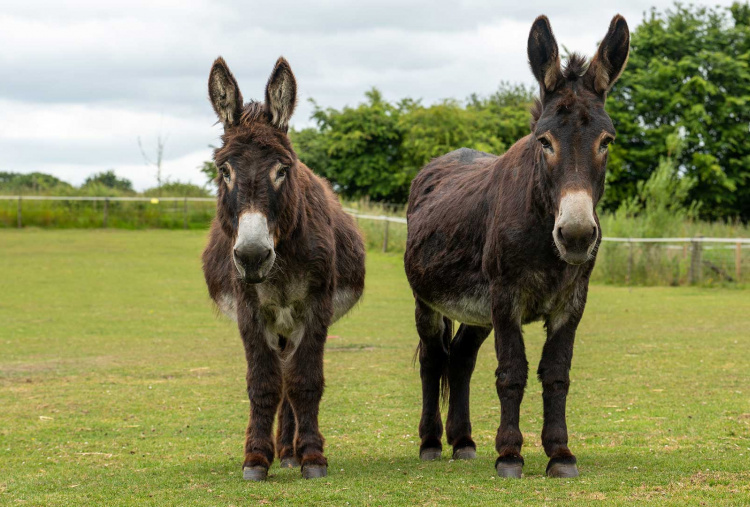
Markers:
{"x": 375, "y": 149}
{"x": 510, "y": 106}
{"x": 310, "y": 146}
{"x": 109, "y": 180}
{"x": 490, "y": 124}
{"x": 433, "y": 131}
{"x": 33, "y": 183}
{"x": 210, "y": 171}
{"x": 688, "y": 76}
{"x": 363, "y": 149}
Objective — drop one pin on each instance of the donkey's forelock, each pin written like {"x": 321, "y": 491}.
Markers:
{"x": 575, "y": 69}
{"x": 254, "y": 112}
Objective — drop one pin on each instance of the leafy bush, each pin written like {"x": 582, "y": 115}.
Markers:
{"x": 96, "y": 183}
{"x": 177, "y": 189}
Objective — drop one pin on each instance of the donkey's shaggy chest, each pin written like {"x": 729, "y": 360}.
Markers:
{"x": 282, "y": 308}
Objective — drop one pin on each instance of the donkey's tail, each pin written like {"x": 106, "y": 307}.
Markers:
{"x": 445, "y": 389}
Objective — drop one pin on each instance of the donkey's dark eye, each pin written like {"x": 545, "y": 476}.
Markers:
{"x": 605, "y": 144}
{"x": 546, "y": 144}
{"x": 281, "y": 172}
{"x": 226, "y": 173}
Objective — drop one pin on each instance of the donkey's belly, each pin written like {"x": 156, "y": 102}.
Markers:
{"x": 343, "y": 301}
{"x": 472, "y": 308}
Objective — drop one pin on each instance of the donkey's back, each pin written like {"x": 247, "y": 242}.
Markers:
{"x": 449, "y": 208}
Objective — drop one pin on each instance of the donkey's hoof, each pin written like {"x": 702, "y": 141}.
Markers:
{"x": 562, "y": 468}
{"x": 255, "y": 473}
{"x": 291, "y": 462}
{"x": 465, "y": 453}
{"x": 430, "y": 454}
{"x": 314, "y": 471}
{"x": 511, "y": 468}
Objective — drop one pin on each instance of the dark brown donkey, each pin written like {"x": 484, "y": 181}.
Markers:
{"x": 497, "y": 242}
{"x": 285, "y": 261}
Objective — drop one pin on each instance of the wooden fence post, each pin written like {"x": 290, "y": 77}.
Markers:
{"x": 738, "y": 262}
{"x": 20, "y": 223}
{"x": 106, "y": 213}
{"x": 185, "y": 214}
{"x": 695, "y": 260}
{"x": 630, "y": 262}
{"x": 385, "y": 236}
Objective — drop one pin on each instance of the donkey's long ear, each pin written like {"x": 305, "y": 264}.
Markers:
{"x": 224, "y": 93}
{"x": 281, "y": 94}
{"x": 611, "y": 57}
{"x": 544, "y": 57}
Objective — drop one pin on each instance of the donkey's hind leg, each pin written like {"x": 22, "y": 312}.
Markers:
{"x": 287, "y": 426}
{"x": 434, "y": 339}
{"x": 463, "y": 358}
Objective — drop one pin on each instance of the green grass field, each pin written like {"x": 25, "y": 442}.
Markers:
{"x": 119, "y": 385}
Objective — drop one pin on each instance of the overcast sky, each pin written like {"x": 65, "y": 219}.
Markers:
{"x": 80, "y": 81}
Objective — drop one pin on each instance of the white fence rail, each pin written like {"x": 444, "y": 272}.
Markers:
{"x": 696, "y": 243}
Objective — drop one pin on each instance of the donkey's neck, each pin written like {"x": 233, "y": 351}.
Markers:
{"x": 302, "y": 205}
{"x": 520, "y": 179}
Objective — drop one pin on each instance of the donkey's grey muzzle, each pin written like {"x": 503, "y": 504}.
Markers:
{"x": 253, "y": 251}
{"x": 576, "y": 231}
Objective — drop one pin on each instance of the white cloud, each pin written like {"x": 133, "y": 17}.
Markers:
{"x": 82, "y": 80}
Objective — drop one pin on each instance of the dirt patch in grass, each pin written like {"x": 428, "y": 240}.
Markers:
{"x": 31, "y": 371}
{"x": 726, "y": 483}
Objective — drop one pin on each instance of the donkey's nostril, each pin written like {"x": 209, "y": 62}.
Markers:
{"x": 594, "y": 232}
{"x": 560, "y": 235}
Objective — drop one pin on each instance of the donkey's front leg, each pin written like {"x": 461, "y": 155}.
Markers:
{"x": 303, "y": 378}
{"x": 264, "y": 390}
{"x": 554, "y": 374}
{"x": 510, "y": 381}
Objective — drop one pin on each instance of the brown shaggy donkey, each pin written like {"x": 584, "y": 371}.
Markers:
{"x": 285, "y": 261}
{"x": 497, "y": 242}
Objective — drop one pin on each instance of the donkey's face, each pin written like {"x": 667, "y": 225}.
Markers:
{"x": 573, "y": 132}
{"x": 257, "y": 200}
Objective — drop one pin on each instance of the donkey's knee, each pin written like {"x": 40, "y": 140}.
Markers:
{"x": 510, "y": 382}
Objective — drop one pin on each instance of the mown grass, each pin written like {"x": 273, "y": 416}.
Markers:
{"x": 119, "y": 385}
